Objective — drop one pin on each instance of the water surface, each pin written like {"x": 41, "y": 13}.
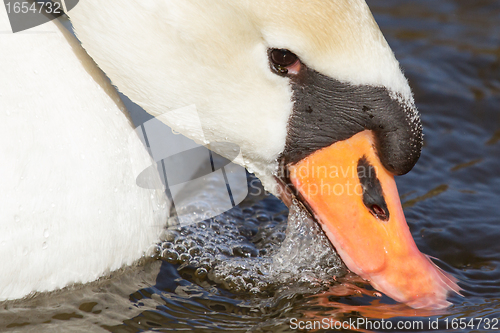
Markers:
{"x": 450, "y": 51}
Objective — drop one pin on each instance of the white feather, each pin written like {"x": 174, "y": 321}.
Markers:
{"x": 70, "y": 210}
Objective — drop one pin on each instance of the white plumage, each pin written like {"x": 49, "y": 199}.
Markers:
{"x": 70, "y": 210}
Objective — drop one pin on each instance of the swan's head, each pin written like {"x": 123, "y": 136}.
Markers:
{"x": 311, "y": 93}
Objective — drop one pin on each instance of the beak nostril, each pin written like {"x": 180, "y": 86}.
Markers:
{"x": 373, "y": 194}
{"x": 378, "y": 212}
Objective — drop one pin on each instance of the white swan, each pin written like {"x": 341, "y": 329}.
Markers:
{"x": 301, "y": 87}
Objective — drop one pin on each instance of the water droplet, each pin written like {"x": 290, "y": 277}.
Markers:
{"x": 46, "y": 233}
{"x": 44, "y": 245}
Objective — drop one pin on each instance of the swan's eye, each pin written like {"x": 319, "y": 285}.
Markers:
{"x": 284, "y": 61}
{"x": 283, "y": 57}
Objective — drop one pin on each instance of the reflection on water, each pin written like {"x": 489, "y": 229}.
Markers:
{"x": 432, "y": 193}
{"x": 450, "y": 51}
{"x": 494, "y": 139}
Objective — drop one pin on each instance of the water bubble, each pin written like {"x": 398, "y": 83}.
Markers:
{"x": 171, "y": 256}
{"x": 169, "y": 235}
{"x": 206, "y": 260}
{"x": 167, "y": 245}
{"x": 215, "y": 228}
{"x": 255, "y": 291}
{"x": 189, "y": 243}
{"x": 225, "y": 250}
{"x": 245, "y": 251}
{"x": 194, "y": 263}
{"x": 180, "y": 248}
{"x": 195, "y": 251}
{"x": 262, "y": 217}
{"x": 184, "y": 257}
{"x": 248, "y": 230}
{"x": 201, "y": 273}
{"x": 202, "y": 225}
{"x": 180, "y": 240}
{"x": 210, "y": 249}
{"x": 277, "y": 237}
{"x": 199, "y": 240}
{"x": 248, "y": 210}
{"x": 253, "y": 249}
{"x": 153, "y": 251}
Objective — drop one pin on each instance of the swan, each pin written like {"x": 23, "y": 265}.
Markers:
{"x": 310, "y": 92}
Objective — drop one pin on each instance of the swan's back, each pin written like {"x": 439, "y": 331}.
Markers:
{"x": 70, "y": 209}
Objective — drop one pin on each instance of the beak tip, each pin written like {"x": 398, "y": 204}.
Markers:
{"x": 429, "y": 288}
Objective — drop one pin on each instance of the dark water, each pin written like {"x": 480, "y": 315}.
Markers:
{"x": 450, "y": 51}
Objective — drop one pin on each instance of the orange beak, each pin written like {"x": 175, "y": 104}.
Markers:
{"x": 356, "y": 202}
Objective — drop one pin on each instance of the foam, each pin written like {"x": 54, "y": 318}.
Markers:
{"x": 252, "y": 249}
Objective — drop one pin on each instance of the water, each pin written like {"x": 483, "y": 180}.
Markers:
{"x": 450, "y": 51}
{"x": 254, "y": 250}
